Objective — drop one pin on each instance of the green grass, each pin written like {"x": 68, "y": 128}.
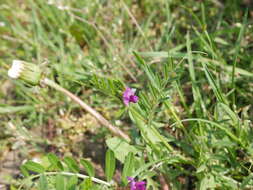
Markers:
{"x": 190, "y": 61}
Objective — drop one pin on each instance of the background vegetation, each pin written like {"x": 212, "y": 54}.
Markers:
{"x": 192, "y": 68}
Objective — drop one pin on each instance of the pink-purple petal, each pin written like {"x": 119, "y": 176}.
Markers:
{"x": 130, "y": 179}
{"x": 129, "y": 96}
{"x": 136, "y": 185}
{"x": 126, "y": 102}
{"x": 134, "y": 99}
{"x": 140, "y": 185}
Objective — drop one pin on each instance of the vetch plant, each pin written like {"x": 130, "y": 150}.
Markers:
{"x": 154, "y": 151}
{"x": 191, "y": 123}
{"x": 65, "y": 174}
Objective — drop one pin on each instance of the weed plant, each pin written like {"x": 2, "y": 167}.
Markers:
{"x": 190, "y": 63}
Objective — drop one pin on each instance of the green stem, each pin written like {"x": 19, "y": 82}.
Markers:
{"x": 175, "y": 116}
{"x": 162, "y": 138}
{"x": 229, "y": 133}
{"x": 96, "y": 180}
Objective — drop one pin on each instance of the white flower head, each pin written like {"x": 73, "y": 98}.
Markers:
{"x": 27, "y": 72}
{"x": 16, "y": 69}
{"x": 2, "y": 24}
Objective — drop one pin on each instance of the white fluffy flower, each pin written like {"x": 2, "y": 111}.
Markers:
{"x": 27, "y": 72}
{"x": 16, "y": 69}
{"x": 2, "y": 24}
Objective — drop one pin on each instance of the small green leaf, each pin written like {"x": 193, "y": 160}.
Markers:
{"x": 54, "y": 160}
{"x": 128, "y": 167}
{"x": 88, "y": 167}
{"x": 60, "y": 182}
{"x": 146, "y": 131}
{"x": 43, "y": 183}
{"x": 72, "y": 164}
{"x": 24, "y": 171}
{"x": 108, "y": 86}
{"x": 120, "y": 148}
{"x": 109, "y": 165}
{"x": 35, "y": 167}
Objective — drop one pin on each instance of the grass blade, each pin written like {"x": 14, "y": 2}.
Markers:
{"x": 237, "y": 48}
{"x": 195, "y": 89}
{"x": 217, "y": 91}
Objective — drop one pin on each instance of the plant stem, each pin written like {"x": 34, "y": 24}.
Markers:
{"x": 98, "y": 116}
{"x": 67, "y": 174}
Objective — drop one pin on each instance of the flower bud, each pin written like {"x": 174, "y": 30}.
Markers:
{"x": 27, "y": 72}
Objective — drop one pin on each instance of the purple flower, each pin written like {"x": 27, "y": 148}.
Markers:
{"x": 129, "y": 96}
{"x": 136, "y": 185}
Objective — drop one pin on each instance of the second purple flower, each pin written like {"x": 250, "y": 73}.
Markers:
{"x": 136, "y": 185}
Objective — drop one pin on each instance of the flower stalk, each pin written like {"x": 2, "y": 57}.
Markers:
{"x": 116, "y": 131}
{"x": 32, "y": 75}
